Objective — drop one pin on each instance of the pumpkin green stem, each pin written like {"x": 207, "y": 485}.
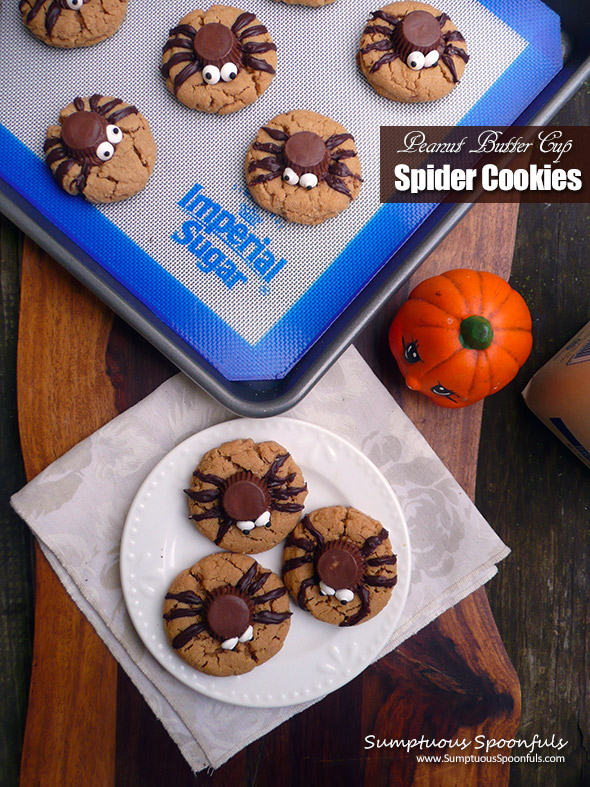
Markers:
{"x": 476, "y": 333}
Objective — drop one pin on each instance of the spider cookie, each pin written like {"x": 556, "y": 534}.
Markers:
{"x": 411, "y": 52}
{"x": 73, "y": 23}
{"x": 303, "y": 166}
{"x": 246, "y": 496}
{"x": 338, "y": 565}
{"x": 102, "y": 149}
{"x": 226, "y": 614}
{"x": 219, "y": 60}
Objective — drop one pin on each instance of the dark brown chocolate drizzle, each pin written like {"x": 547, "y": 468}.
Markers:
{"x": 106, "y": 111}
{"x": 247, "y": 586}
{"x": 185, "y": 597}
{"x": 278, "y": 489}
{"x": 311, "y": 550}
{"x": 183, "y": 37}
{"x": 275, "y": 164}
{"x": 267, "y": 616}
{"x": 270, "y": 596}
{"x": 184, "y": 637}
{"x": 384, "y": 560}
{"x": 257, "y": 583}
{"x": 181, "y": 612}
{"x": 53, "y": 12}
{"x": 392, "y": 47}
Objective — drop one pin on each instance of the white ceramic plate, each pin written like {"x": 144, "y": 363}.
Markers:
{"x": 159, "y": 541}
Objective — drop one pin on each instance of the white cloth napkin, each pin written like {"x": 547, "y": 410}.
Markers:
{"x": 454, "y": 550}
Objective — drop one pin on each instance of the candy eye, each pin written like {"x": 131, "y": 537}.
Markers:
{"x": 431, "y": 59}
{"x": 415, "y": 61}
{"x": 308, "y": 181}
{"x": 114, "y": 134}
{"x": 211, "y": 75}
{"x": 440, "y": 390}
{"x": 105, "y": 151}
{"x": 411, "y": 354}
{"x": 291, "y": 177}
{"x": 75, "y": 5}
{"x": 229, "y": 72}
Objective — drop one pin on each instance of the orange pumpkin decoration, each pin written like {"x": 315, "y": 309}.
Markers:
{"x": 461, "y": 336}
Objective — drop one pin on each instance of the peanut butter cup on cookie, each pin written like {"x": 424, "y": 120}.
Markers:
{"x": 246, "y": 496}
{"x": 226, "y": 614}
{"x": 338, "y": 564}
{"x": 219, "y": 60}
{"x": 411, "y": 52}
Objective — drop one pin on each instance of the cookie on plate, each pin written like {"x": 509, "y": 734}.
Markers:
{"x": 103, "y": 149}
{"x": 246, "y": 496}
{"x": 304, "y": 167}
{"x": 219, "y": 60}
{"x": 226, "y": 614}
{"x": 411, "y": 52}
{"x": 338, "y": 564}
{"x": 73, "y": 23}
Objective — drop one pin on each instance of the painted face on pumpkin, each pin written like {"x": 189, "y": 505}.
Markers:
{"x": 429, "y": 373}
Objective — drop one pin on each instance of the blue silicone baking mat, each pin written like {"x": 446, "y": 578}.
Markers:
{"x": 250, "y": 292}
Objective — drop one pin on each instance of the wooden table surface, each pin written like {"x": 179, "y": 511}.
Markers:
{"x": 452, "y": 679}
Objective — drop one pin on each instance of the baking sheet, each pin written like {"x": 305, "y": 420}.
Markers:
{"x": 258, "y": 328}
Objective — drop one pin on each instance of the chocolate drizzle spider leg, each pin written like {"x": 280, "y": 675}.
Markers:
{"x": 246, "y": 496}
{"x": 226, "y": 614}
{"x": 88, "y": 137}
{"x": 209, "y": 50}
{"x": 412, "y": 52}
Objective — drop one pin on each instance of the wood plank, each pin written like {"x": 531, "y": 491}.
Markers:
{"x": 64, "y": 395}
{"x": 484, "y": 240}
{"x": 16, "y": 542}
{"x": 307, "y": 746}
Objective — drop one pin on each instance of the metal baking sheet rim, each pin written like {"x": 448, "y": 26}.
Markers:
{"x": 254, "y": 405}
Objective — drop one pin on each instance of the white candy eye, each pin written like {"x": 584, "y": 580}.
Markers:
{"x": 263, "y": 520}
{"x": 290, "y": 176}
{"x": 431, "y": 59}
{"x": 75, "y": 5}
{"x": 344, "y": 595}
{"x": 415, "y": 61}
{"x": 326, "y": 590}
{"x": 105, "y": 151}
{"x": 245, "y": 525}
{"x": 248, "y": 635}
{"x": 114, "y": 134}
{"x": 211, "y": 75}
{"x": 308, "y": 181}
{"x": 229, "y": 72}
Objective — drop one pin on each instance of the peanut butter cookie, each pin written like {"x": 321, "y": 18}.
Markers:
{"x": 411, "y": 52}
{"x": 219, "y": 60}
{"x": 226, "y": 614}
{"x": 303, "y": 166}
{"x": 73, "y": 23}
{"x": 338, "y": 565}
{"x": 246, "y": 496}
{"x": 102, "y": 149}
